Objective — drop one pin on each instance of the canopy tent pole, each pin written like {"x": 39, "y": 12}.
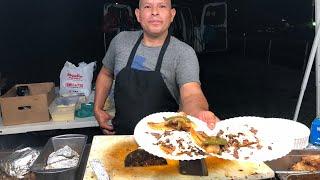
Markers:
{"x": 312, "y": 55}
{"x": 317, "y": 63}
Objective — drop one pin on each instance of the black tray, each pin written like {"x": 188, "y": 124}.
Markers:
{"x": 77, "y": 142}
{"x": 282, "y": 165}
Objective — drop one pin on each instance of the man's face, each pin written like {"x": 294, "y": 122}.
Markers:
{"x": 155, "y": 16}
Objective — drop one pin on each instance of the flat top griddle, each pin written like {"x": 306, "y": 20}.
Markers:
{"x": 112, "y": 150}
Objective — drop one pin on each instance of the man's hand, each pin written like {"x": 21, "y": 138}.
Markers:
{"x": 103, "y": 85}
{"x": 208, "y": 117}
{"x": 195, "y": 104}
{"x": 103, "y": 117}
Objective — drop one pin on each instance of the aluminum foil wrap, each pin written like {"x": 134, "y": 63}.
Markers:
{"x": 63, "y": 158}
{"x": 19, "y": 162}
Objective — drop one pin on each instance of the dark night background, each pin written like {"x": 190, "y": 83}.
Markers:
{"x": 260, "y": 72}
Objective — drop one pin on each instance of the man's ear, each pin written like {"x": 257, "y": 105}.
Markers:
{"x": 173, "y": 13}
{"x": 137, "y": 12}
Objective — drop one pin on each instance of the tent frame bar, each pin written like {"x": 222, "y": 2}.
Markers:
{"x": 314, "y": 55}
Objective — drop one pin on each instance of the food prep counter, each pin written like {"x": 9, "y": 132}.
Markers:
{"x": 112, "y": 150}
{"x": 50, "y": 125}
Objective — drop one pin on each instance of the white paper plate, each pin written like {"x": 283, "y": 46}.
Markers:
{"x": 298, "y": 131}
{"x": 280, "y": 143}
{"x": 147, "y": 141}
{"x": 282, "y": 127}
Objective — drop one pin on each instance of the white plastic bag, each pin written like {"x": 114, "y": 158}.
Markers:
{"x": 76, "y": 80}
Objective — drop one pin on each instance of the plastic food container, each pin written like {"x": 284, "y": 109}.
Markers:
{"x": 76, "y": 142}
{"x": 62, "y": 112}
{"x": 63, "y": 108}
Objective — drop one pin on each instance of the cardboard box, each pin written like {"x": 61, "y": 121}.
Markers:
{"x": 27, "y": 109}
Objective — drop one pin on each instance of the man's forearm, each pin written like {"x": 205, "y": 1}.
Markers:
{"x": 195, "y": 103}
{"x": 103, "y": 85}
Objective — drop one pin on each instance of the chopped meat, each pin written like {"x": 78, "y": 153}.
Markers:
{"x": 166, "y": 133}
{"x": 188, "y": 153}
{"x": 308, "y": 163}
{"x": 179, "y": 123}
{"x": 174, "y": 143}
{"x": 231, "y": 136}
{"x": 247, "y": 143}
{"x": 156, "y": 135}
{"x": 220, "y": 133}
{"x": 223, "y": 142}
{"x": 235, "y": 153}
{"x": 234, "y": 142}
{"x": 167, "y": 148}
{"x": 259, "y": 146}
{"x": 213, "y": 149}
{"x": 200, "y": 152}
{"x": 253, "y": 130}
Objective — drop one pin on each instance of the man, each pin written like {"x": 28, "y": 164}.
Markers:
{"x": 152, "y": 70}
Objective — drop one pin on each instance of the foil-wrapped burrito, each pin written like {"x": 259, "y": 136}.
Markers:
{"x": 19, "y": 162}
{"x": 63, "y": 158}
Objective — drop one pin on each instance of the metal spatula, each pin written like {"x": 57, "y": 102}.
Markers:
{"x": 194, "y": 167}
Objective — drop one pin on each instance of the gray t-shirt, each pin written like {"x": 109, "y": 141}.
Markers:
{"x": 179, "y": 66}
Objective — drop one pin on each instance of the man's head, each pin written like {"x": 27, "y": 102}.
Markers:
{"x": 155, "y": 16}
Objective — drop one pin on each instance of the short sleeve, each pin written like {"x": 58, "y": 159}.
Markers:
{"x": 187, "y": 67}
{"x": 109, "y": 59}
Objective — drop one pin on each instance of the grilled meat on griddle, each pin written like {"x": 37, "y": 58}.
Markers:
{"x": 141, "y": 158}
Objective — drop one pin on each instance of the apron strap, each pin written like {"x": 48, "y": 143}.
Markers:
{"x": 162, "y": 52}
{"x": 133, "y": 51}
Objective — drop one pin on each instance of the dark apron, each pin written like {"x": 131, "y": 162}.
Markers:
{"x": 140, "y": 93}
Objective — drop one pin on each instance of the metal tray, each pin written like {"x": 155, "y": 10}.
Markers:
{"x": 77, "y": 142}
{"x": 302, "y": 177}
{"x": 282, "y": 165}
